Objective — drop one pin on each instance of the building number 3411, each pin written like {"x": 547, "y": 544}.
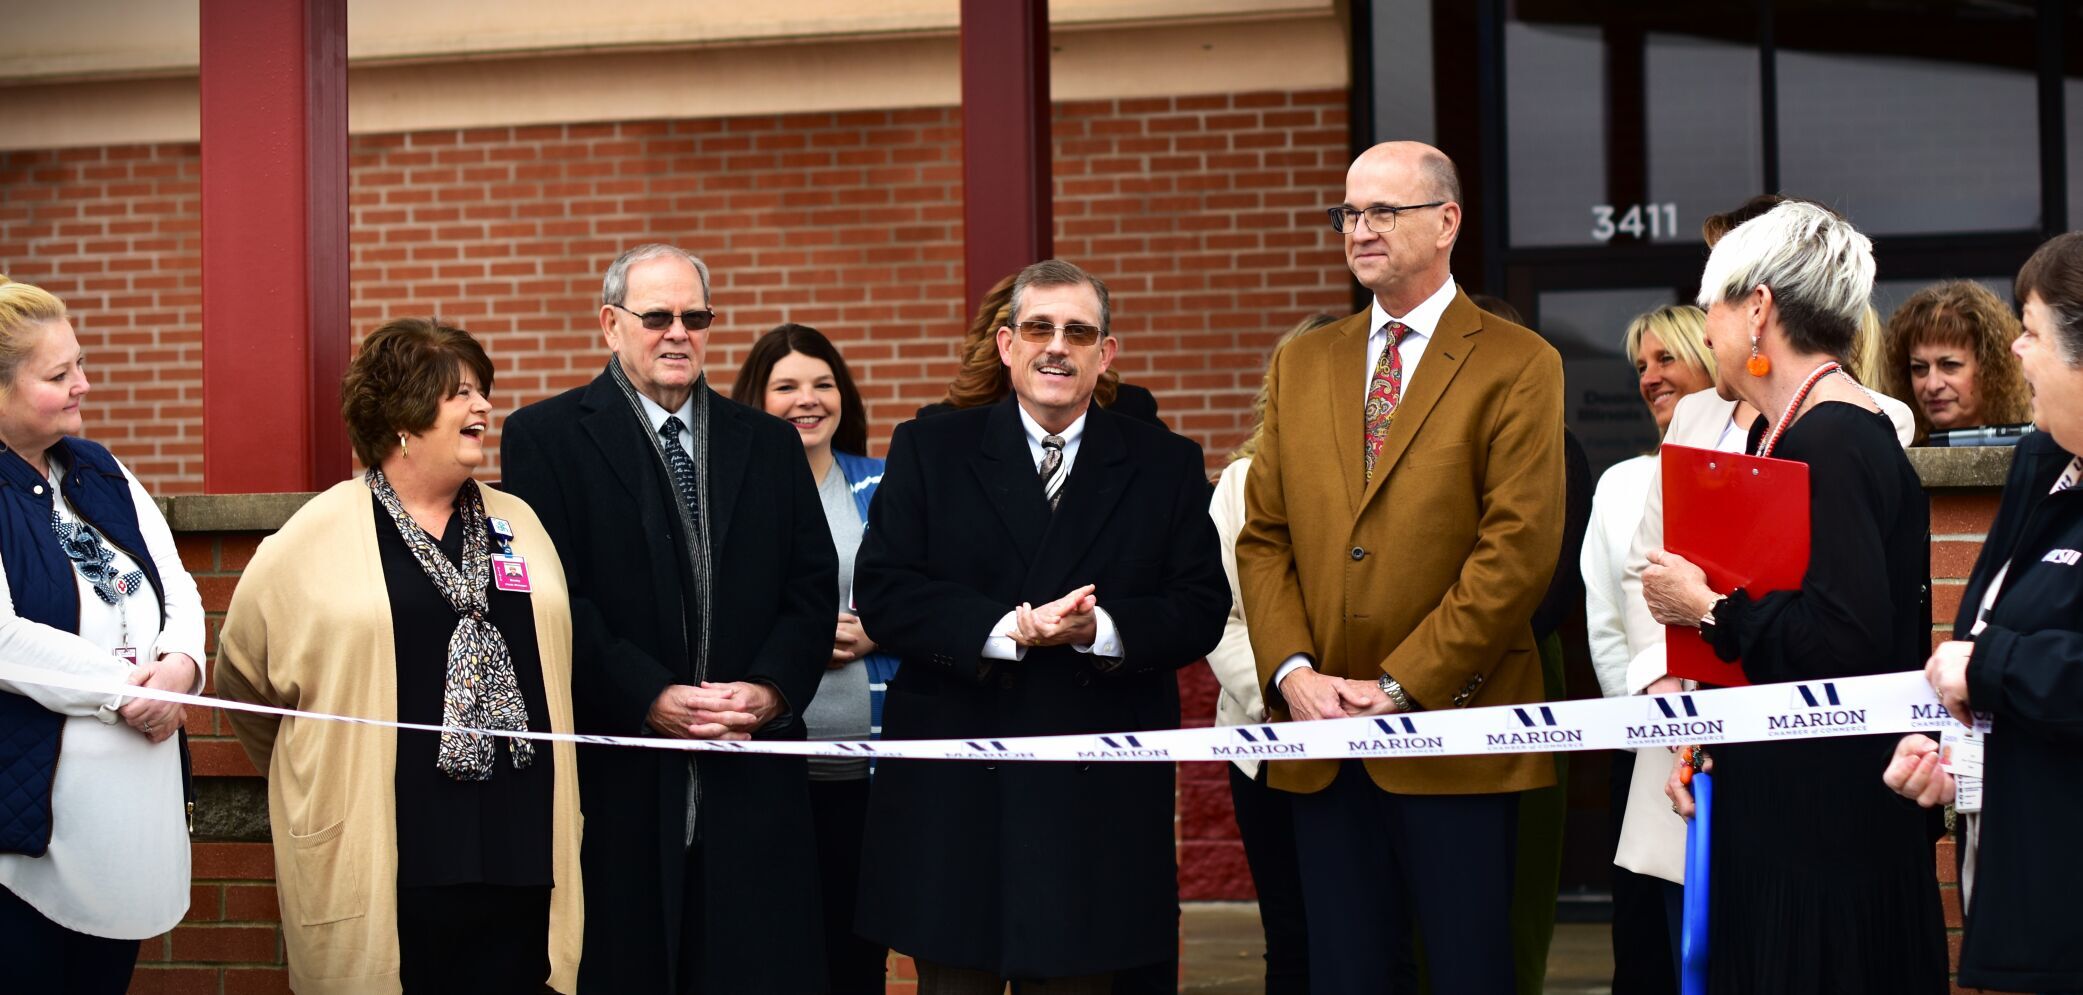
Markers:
{"x": 1639, "y": 221}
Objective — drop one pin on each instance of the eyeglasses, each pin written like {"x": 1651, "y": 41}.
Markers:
{"x": 1075, "y": 333}
{"x": 1380, "y": 220}
{"x": 659, "y": 321}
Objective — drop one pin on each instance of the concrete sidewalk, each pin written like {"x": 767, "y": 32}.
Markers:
{"x": 1224, "y": 951}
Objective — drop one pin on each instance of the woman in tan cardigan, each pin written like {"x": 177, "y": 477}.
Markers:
{"x": 410, "y": 861}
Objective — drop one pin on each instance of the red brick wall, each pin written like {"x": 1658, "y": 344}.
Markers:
{"x": 1199, "y": 212}
{"x": 1959, "y": 522}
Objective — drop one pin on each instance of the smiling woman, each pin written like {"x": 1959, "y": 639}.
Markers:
{"x": 414, "y": 594}
{"x": 94, "y": 850}
{"x": 794, "y": 373}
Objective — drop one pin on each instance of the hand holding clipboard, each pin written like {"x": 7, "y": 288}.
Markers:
{"x": 1744, "y": 521}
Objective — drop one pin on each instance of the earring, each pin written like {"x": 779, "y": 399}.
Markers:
{"x": 1758, "y": 365}
{"x": 402, "y": 451}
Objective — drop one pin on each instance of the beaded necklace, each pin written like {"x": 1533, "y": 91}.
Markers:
{"x": 1786, "y": 417}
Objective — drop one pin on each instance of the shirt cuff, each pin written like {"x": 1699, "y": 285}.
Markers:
{"x": 1290, "y": 665}
{"x": 999, "y": 645}
{"x": 1106, "y": 641}
{"x": 1646, "y": 668}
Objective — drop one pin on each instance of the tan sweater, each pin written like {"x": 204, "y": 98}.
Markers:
{"x": 310, "y": 628}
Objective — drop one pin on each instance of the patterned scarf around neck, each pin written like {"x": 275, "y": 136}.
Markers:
{"x": 481, "y": 691}
{"x": 694, "y": 525}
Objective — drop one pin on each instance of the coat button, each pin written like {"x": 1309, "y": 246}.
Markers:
{"x": 38, "y": 489}
{"x": 1358, "y": 553}
{"x": 1005, "y": 681}
{"x": 1081, "y": 679}
{"x": 990, "y": 768}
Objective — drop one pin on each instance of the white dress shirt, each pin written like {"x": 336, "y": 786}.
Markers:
{"x": 1106, "y": 641}
{"x": 656, "y": 415}
{"x": 117, "y": 866}
{"x": 1422, "y": 321}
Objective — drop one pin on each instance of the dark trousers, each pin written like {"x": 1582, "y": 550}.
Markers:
{"x": 853, "y": 966}
{"x": 1375, "y": 865}
{"x": 1266, "y": 821}
{"x": 1642, "y": 941}
{"x": 688, "y": 979}
{"x": 473, "y": 938}
{"x": 943, "y": 979}
{"x": 44, "y": 957}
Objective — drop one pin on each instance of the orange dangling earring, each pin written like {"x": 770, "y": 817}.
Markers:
{"x": 1758, "y": 365}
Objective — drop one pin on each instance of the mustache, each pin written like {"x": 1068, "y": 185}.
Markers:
{"x": 1061, "y": 363}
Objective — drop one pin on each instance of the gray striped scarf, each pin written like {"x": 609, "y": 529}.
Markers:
{"x": 694, "y": 527}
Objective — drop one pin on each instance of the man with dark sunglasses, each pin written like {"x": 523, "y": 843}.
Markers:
{"x": 1042, "y": 565}
{"x": 700, "y": 570}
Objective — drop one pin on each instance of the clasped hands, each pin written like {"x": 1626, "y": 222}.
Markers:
{"x": 1676, "y": 589}
{"x": 728, "y": 711}
{"x": 1311, "y": 695}
{"x": 157, "y": 720}
{"x": 1071, "y": 620}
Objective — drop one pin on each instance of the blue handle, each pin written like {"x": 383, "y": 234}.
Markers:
{"x": 1698, "y": 846}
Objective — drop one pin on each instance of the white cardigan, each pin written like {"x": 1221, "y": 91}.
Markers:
{"x": 1241, "y": 701}
{"x": 118, "y": 860}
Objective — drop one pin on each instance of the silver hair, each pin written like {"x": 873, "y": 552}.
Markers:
{"x": 1057, "y": 273}
{"x": 614, "y": 289}
{"x": 1820, "y": 270}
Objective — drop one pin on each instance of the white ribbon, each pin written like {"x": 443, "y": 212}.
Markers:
{"x": 1852, "y": 706}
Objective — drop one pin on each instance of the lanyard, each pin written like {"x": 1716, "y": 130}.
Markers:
{"x": 1786, "y": 417}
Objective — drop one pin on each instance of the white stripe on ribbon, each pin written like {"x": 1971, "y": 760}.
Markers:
{"x": 1853, "y": 706}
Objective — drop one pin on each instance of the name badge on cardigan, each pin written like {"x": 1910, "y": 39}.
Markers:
{"x": 510, "y": 573}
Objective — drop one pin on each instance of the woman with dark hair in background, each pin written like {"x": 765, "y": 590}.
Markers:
{"x": 1949, "y": 356}
{"x": 794, "y": 373}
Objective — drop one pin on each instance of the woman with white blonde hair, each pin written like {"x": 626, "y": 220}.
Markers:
{"x": 1823, "y": 880}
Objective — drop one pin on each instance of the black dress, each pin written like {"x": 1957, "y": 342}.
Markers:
{"x": 474, "y": 871}
{"x": 1823, "y": 879}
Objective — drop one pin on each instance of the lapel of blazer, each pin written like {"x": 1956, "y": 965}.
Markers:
{"x": 730, "y": 445}
{"x": 1451, "y": 344}
{"x": 611, "y": 426}
{"x": 1348, "y": 399}
{"x": 1097, "y": 481}
{"x": 1005, "y": 469}
{"x": 618, "y": 433}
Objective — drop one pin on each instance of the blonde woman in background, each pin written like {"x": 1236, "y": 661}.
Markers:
{"x": 1669, "y": 351}
{"x": 1264, "y": 819}
{"x": 94, "y": 850}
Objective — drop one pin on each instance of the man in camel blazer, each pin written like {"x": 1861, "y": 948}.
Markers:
{"x": 1405, "y": 587}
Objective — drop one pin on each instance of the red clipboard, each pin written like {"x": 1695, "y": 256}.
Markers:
{"x": 1743, "y": 520}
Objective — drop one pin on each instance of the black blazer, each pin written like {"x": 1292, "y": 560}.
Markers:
{"x": 1031, "y": 869}
{"x": 2023, "y": 933}
{"x": 583, "y": 461}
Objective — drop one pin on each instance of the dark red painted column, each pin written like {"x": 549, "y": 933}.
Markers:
{"x": 274, "y": 201}
{"x": 1006, "y": 194}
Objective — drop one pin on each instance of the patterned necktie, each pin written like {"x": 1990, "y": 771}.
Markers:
{"x": 1384, "y": 390}
{"x": 1053, "y": 472}
{"x": 682, "y": 466}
